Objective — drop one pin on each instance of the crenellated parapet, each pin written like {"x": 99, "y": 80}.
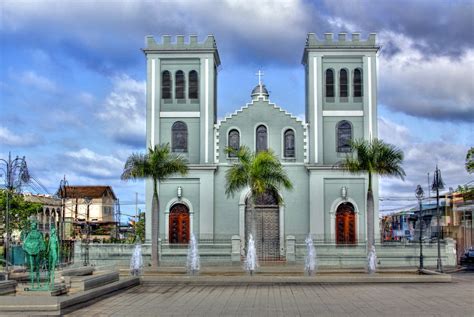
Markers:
{"x": 181, "y": 44}
{"x": 342, "y": 42}
{"x": 312, "y": 41}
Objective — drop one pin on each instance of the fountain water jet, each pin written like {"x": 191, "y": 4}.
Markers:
{"x": 136, "y": 262}
{"x": 311, "y": 263}
{"x": 193, "y": 263}
{"x": 251, "y": 262}
{"x": 372, "y": 261}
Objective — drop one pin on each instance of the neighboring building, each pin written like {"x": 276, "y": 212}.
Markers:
{"x": 341, "y": 105}
{"x": 51, "y": 211}
{"x": 455, "y": 210}
{"x": 89, "y": 205}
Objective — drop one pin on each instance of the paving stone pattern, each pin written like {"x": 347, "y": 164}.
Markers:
{"x": 153, "y": 299}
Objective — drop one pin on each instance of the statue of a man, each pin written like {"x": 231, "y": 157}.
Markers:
{"x": 53, "y": 247}
{"x": 33, "y": 246}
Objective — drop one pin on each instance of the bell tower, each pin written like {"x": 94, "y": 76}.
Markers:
{"x": 341, "y": 88}
{"x": 181, "y": 95}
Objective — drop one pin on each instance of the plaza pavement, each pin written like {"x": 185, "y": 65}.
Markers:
{"x": 153, "y": 298}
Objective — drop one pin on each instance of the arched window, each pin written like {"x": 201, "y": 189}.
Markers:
{"x": 344, "y": 136}
{"x": 234, "y": 141}
{"x": 179, "y": 88}
{"x": 166, "y": 85}
{"x": 358, "y": 83}
{"x": 343, "y": 83}
{"x": 289, "y": 142}
{"x": 179, "y": 139}
{"x": 261, "y": 138}
{"x": 193, "y": 86}
{"x": 329, "y": 83}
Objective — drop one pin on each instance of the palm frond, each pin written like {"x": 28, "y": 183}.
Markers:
{"x": 135, "y": 167}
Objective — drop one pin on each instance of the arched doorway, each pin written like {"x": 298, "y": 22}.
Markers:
{"x": 266, "y": 226}
{"x": 345, "y": 224}
{"x": 179, "y": 224}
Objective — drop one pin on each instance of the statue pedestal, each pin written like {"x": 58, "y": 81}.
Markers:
{"x": 26, "y": 290}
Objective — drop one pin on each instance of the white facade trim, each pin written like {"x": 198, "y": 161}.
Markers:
{"x": 343, "y": 113}
{"x": 315, "y": 101}
{"x": 206, "y": 111}
{"x": 369, "y": 87}
{"x": 170, "y": 204}
{"x": 153, "y": 73}
{"x": 180, "y": 114}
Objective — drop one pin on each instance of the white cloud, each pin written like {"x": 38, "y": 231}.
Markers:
{"x": 32, "y": 79}
{"x": 436, "y": 87}
{"x": 93, "y": 165}
{"x": 124, "y": 111}
{"x": 10, "y": 138}
{"x": 421, "y": 158}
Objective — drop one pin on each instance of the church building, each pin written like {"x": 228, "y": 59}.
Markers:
{"x": 326, "y": 202}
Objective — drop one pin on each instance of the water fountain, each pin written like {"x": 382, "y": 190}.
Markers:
{"x": 311, "y": 263}
{"x": 251, "y": 262}
{"x": 193, "y": 262}
{"x": 136, "y": 262}
{"x": 372, "y": 261}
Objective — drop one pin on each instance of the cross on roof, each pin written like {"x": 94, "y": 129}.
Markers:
{"x": 259, "y": 74}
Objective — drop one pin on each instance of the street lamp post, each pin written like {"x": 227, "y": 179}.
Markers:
{"x": 419, "y": 195}
{"x": 436, "y": 186}
{"x": 88, "y": 202}
{"x": 62, "y": 234}
{"x": 16, "y": 173}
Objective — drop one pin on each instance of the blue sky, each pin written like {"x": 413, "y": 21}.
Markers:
{"x": 72, "y": 77}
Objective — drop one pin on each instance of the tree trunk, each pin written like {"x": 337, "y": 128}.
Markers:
{"x": 155, "y": 209}
{"x": 370, "y": 216}
{"x": 370, "y": 220}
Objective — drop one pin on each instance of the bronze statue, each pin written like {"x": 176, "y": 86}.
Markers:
{"x": 33, "y": 246}
{"x": 53, "y": 247}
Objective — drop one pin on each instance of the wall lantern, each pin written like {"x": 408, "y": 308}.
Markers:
{"x": 180, "y": 192}
{"x": 344, "y": 192}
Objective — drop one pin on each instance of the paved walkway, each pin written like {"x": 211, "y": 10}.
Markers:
{"x": 153, "y": 299}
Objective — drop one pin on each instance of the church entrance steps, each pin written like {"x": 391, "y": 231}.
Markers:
{"x": 264, "y": 270}
{"x": 301, "y": 279}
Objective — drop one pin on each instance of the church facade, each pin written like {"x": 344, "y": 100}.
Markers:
{"x": 326, "y": 202}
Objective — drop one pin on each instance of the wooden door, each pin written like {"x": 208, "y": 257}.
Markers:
{"x": 345, "y": 224}
{"x": 179, "y": 224}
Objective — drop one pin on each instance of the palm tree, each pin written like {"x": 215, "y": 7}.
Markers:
{"x": 373, "y": 157}
{"x": 158, "y": 164}
{"x": 261, "y": 172}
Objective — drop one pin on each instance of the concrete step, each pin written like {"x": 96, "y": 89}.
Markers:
{"x": 84, "y": 283}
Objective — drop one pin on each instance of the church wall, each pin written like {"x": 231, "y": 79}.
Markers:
{"x": 296, "y": 206}
{"x": 336, "y": 63}
{"x": 168, "y": 197}
{"x": 276, "y": 121}
{"x": 325, "y": 193}
{"x": 226, "y": 221}
{"x": 186, "y": 65}
{"x": 331, "y": 156}
{"x": 296, "y": 202}
{"x": 332, "y": 197}
{"x": 193, "y": 136}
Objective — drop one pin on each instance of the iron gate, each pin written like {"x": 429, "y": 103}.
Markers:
{"x": 267, "y": 231}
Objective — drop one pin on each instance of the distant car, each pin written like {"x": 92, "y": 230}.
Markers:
{"x": 468, "y": 259}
